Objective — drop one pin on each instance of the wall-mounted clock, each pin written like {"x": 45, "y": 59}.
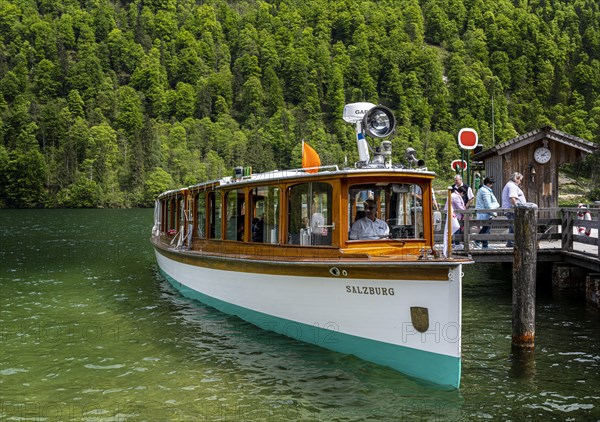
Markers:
{"x": 542, "y": 155}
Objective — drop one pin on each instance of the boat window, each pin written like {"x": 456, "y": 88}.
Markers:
{"x": 174, "y": 215}
{"x": 235, "y": 205}
{"x": 265, "y": 214}
{"x": 164, "y": 210}
{"x": 201, "y": 215}
{"x": 397, "y": 204}
{"x": 169, "y": 215}
{"x": 215, "y": 215}
{"x": 309, "y": 219}
{"x": 181, "y": 211}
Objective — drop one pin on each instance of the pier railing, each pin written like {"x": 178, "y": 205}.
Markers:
{"x": 564, "y": 228}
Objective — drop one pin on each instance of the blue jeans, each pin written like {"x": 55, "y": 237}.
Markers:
{"x": 455, "y": 242}
{"x": 511, "y": 228}
{"x": 485, "y": 230}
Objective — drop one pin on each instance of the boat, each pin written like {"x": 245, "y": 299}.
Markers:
{"x": 282, "y": 250}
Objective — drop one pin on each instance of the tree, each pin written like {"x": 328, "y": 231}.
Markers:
{"x": 215, "y": 168}
{"x": 158, "y": 181}
{"x": 4, "y": 168}
{"x": 86, "y": 74}
{"x": 25, "y": 171}
{"x": 184, "y": 101}
{"x": 125, "y": 55}
{"x": 296, "y": 66}
{"x": 151, "y": 79}
{"x": 413, "y": 23}
{"x": 103, "y": 152}
{"x": 84, "y": 193}
{"x": 46, "y": 80}
{"x": 251, "y": 98}
{"x": 130, "y": 118}
{"x": 76, "y": 104}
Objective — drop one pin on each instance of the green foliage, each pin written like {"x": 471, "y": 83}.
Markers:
{"x": 84, "y": 193}
{"x": 158, "y": 181}
{"x": 108, "y": 103}
{"x": 25, "y": 174}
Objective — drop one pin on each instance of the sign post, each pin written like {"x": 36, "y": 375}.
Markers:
{"x": 467, "y": 140}
{"x": 458, "y": 165}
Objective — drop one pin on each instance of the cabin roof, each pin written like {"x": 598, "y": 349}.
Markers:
{"x": 279, "y": 175}
{"x": 546, "y": 132}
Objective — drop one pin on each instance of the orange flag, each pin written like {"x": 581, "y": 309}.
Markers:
{"x": 310, "y": 158}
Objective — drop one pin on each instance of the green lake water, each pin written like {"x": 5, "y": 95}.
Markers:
{"x": 89, "y": 331}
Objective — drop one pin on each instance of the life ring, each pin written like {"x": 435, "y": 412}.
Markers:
{"x": 584, "y": 214}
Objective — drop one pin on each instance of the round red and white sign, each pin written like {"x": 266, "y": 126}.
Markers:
{"x": 458, "y": 165}
{"x": 467, "y": 138}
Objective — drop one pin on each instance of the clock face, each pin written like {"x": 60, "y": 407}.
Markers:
{"x": 542, "y": 155}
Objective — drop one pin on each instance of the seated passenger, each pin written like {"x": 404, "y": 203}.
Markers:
{"x": 369, "y": 227}
{"x": 305, "y": 223}
{"x": 317, "y": 221}
{"x": 257, "y": 229}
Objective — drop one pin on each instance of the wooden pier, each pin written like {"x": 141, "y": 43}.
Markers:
{"x": 565, "y": 239}
{"x": 558, "y": 238}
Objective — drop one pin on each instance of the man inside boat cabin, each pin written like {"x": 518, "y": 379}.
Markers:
{"x": 369, "y": 227}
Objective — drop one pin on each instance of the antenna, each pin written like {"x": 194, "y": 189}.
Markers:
{"x": 493, "y": 120}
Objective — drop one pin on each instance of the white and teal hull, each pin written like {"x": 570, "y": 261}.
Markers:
{"x": 368, "y": 318}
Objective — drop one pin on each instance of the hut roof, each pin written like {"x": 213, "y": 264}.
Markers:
{"x": 546, "y": 132}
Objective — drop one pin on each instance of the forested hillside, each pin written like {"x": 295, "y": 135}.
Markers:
{"x": 107, "y": 103}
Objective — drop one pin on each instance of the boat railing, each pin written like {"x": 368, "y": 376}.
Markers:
{"x": 277, "y": 174}
{"x": 318, "y": 168}
{"x": 302, "y": 170}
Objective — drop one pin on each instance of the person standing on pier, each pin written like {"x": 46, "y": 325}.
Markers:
{"x": 511, "y": 196}
{"x": 457, "y": 204}
{"x": 468, "y": 197}
{"x": 486, "y": 200}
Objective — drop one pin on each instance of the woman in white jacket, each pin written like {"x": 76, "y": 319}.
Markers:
{"x": 486, "y": 201}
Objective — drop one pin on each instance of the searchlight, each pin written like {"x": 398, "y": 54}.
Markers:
{"x": 379, "y": 122}
{"x": 375, "y": 121}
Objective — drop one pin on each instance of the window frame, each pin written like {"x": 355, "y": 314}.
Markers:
{"x": 240, "y": 215}
{"x": 327, "y": 236}
{"x": 201, "y": 194}
{"x": 215, "y": 196}
{"x": 273, "y": 223}
{"x": 383, "y": 195}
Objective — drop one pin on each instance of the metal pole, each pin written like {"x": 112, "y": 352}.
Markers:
{"x": 449, "y": 222}
{"x": 462, "y": 157}
{"x": 493, "y": 119}
{"x": 468, "y": 156}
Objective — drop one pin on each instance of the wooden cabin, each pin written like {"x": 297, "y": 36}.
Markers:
{"x": 266, "y": 214}
{"x": 537, "y": 155}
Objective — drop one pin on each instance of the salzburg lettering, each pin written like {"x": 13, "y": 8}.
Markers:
{"x": 363, "y": 290}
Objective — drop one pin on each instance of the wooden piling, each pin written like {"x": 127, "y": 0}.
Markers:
{"x": 524, "y": 277}
{"x": 592, "y": 289}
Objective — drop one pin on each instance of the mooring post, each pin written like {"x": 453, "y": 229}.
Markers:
{"x": 524, "y": 275}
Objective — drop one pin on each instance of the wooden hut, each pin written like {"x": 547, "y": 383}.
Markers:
{"x": 537, "y": 155}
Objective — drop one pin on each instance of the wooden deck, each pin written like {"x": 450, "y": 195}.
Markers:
{"x": 558, "y": 238}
